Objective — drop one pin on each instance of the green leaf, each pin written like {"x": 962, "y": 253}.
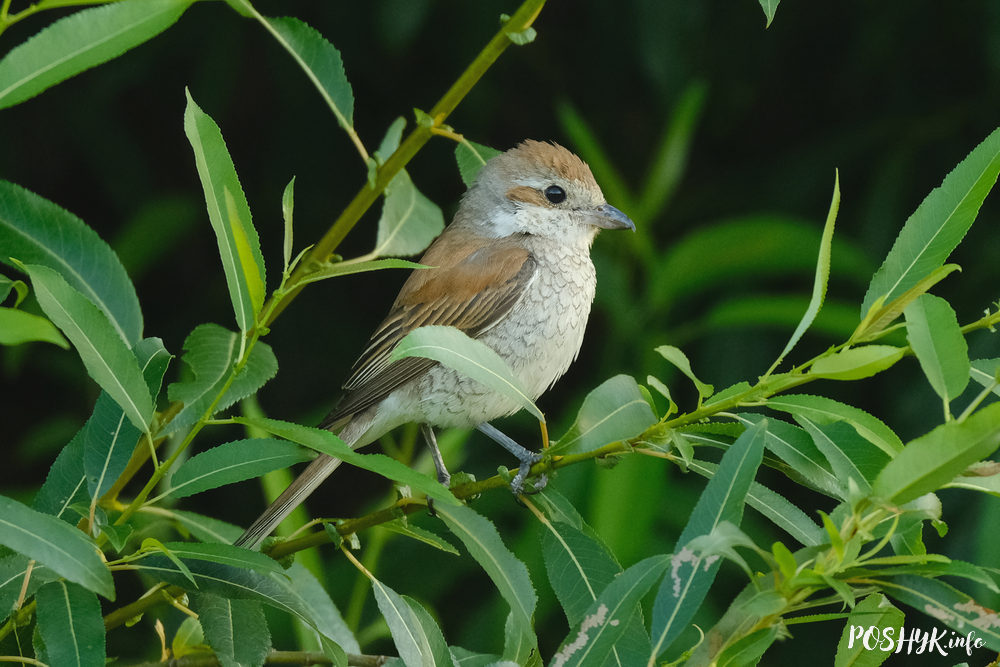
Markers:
{"x": 412, "y": 643}
{"x": 206, "y": 528}
{"x": 80, "y": 41}
{"x": 409, "y": 221}
{"x": 794, "y": 446}
{"x": 235, "y": 629}
{"x": 680, "y": 360}
{"x": 231, "y": 221}
{"x": 850, "y": 455}
{"x": 947, "y": 605}
{"x": 33, "y": 230}
{"x": 857, "y": 362}
{"x": 773, "y": 506}
{"x": 614, "y": 411}
{"x": 66, "y": 483}
{"x": 822, "y": 410}
{"x": 225, "y": 554}
{"x": 938, "y": 225}
{"x": 107, "y": 359}
{"x": 986, "y": 372}
{"x": 287, "y": 207}
{"x": 321, "y": 62}
{"x": 469, "y": 357}
{"x": 680, "y": 595}
{"x": 822, "y": 262}
{"x": 327, "y": 443}
{"x": 858, "y": 645}
{"x": 440, "y": 654}
{"x": 934, "y": 459}
{"x": 71, "y": 626}
{"x": 108, "y": 437}
{"x": 346, "y": 268}
{"x": 470, "y": 158}
{"x": 320, "y": 608}
{"x": 189, "y": 639}
{"x": 769, "y": 7}
{"x": 17, "y": 327}
{"x": 56, "y": 544}
{"x": 509, "y": 575}
{"x": 211, "y": 353}
{"x": 13, "y": 569}
{"x": 390, "y": 142}
{"x": 6, "y": 285}
{"x": 933, "y": 332}
{"x": 233, "y": 462}
{"x": 881, "y": 315}
{"x": 400, "y": 527}
{"x": 591, "y": 641}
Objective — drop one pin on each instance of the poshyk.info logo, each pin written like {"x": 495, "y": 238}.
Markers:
{"x": 913, "y": 641}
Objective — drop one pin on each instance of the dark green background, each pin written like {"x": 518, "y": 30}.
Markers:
{"x": 893, "y": 94}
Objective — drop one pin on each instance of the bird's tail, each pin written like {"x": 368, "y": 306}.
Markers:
{"x": 310, "y": 478}
{"x": 290, "y": 498}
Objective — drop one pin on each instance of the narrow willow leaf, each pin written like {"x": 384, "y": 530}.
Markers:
{"x": 335, "y": 269}
{"x": 321, "y": 62}
{"x": 591, "y": 641}
{"x": 680, "y": 360}
{"x": 774, "y": 507}
{"x": 470, "y": 158}
{"x": 822, "y": 410}
{"x": 615, "y": 410}
{"x": 33, "y": 230}
{"x": 933, "y": 332}
{"x": 218, "y": 175}
{"x": 287, "y": 208}
{"x": 244, "y": 251}
{"x": 850, "y": 455}
{"x": 225, "y": 554}
{"x": 109, "y": 438}
{"x": 107, "y": 359}
{"x": 327, "y": 443}
{"x": 469, "y": 357}
{"x": 188, "y": 640}
{"x": 429, "y": 538}
{"x": 211, "y": 353}
{"x": 412, "y": 644}
{"x": 747, "y": 650}
{"x": 55, "y": 544}
{"x": 206, "y": 528}
{"x": 66, "y": 483}
{"x": 794, "y": 446}
{"x": 235, "y": 629}
{"x": 769, "y": 7}
{"x": 856, "y": 363}
{"x": 6, "y": 285}
{"x": 80, "y": 41}
{"x": 390, "y": 142}
{"x": 881, "y": 315}
{"x": 440, "y": 654}
{"x": 986, "y": 372}
{"x": 875, "y": 611}
{"x": 557, "y": 507}
{"x": 680, "y": 595}
{"x": 947, "y": 605}
{"x": 822, "y": 262}
{"x": 934, "y": 459}
{"x": 71, "y": 626}
{"x": 233, "y": 462}
{"x": 409, "y": 221}
{"x": 325, "y": 616}
{"x": 938, "y": 225}
{"x": 509, "y": 575}
{"x": 17, "y": 327}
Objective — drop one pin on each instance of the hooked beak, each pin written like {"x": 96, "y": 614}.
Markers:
{"x": 607, "y": 216}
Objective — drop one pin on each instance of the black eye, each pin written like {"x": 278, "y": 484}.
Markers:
{"x": 555, "y": 194}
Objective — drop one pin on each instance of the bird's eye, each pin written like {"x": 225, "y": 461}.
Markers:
{"x": 555, "y": 194}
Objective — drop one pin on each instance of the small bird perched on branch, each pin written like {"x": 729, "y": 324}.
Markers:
{"x": 513, "y": 270}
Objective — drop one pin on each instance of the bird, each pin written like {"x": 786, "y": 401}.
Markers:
{"x": 513, "y": 270}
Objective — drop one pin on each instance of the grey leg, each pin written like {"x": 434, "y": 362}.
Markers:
{"x": 526, "y": 457}
{"x": 442, "y": 473}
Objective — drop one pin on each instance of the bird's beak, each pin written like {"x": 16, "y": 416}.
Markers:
{"x": 607, "y": 216}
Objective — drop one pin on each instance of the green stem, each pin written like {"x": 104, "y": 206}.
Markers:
{"x": 7, "y": 19}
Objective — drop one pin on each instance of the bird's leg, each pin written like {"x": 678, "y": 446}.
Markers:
{"x": 442, "y": 473}
{"x": 526, "y": 457}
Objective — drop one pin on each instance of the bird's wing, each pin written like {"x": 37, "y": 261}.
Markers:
{"x": 470, "y": 288}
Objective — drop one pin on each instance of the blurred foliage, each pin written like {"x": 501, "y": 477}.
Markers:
{"x": 718, "y": 137}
